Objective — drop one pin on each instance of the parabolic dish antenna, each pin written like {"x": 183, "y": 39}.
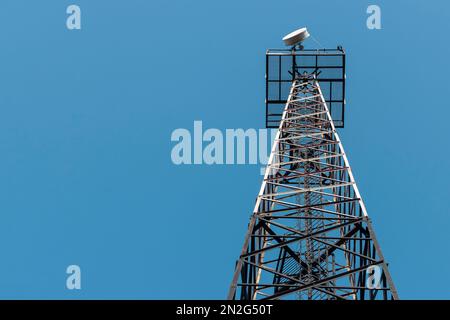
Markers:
{"x": 296, "y": 37}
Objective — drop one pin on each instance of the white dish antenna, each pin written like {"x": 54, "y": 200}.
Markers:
{"x": 296, "y": 37}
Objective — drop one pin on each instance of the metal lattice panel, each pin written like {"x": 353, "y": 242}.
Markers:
{"x": 282, "y": 65}
{"x": 310, "y": 236}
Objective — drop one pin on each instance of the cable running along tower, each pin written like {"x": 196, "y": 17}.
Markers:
{"x": 309, "y": 236}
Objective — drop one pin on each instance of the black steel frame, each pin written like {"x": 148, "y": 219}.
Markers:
{"x": 285, "y": 74}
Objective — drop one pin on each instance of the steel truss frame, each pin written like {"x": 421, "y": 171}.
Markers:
{"x": 310, "y": 236}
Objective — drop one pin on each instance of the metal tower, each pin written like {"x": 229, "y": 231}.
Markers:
{"x": 309, "y": 236}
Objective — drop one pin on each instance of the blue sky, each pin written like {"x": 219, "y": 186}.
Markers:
{"x": 86, "y": 116}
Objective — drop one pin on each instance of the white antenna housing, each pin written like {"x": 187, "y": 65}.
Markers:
{"x": 296, "y": 37}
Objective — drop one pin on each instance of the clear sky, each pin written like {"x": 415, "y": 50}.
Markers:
{"x": 86, "y": 116}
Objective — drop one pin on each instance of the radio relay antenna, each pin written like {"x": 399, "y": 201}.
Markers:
{"x": 309, "y": 236}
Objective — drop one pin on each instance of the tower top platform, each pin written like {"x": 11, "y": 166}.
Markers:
{"x": 282, "y": 66}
